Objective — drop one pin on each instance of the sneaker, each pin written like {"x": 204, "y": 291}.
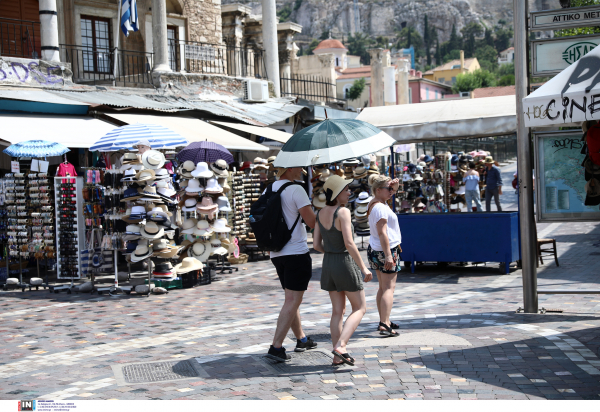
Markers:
{"x": 278, "y": 355}
{"x": 302, "y": 346}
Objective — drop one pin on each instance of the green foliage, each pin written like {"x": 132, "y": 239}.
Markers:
{"x": 473, "y": 28}
{"x": 382, "y": 42}
{"x": 284, "y": 13}
{"x": 313, "y": 45}
{"x": 357, "y": 88}
{"x": 504, "y": 69}
{"x": 507, "y": 80}
{"x": 324, "y": 35}
{"x": 503, "y": 35}
{"x": 579, "y": 30}
{"x": 489, "y": 55}
{"x": 467, "y": 82}
{"x": 297, "y": 4}
{"x": 410, "y": 36}
{"x": 357, "y": 45}
{"x": 452, "y": 55}
{"x": 438, "y": 53}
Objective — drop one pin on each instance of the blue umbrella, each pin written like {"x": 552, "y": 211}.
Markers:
{"x": 124, "y": 137}
{"x": 36, "y": 148}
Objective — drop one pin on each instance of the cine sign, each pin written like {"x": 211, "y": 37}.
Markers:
{"x": 565, "y": 18}
{"x": 552, "y": 56}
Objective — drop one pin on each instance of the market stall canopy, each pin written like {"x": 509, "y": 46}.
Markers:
{"x": 267, "y": 132}
{"x": 70, "y": 131}
{"x": 194, "y": 130}
{"x": 445, "y": 120}
{"x": 571, "y": 96}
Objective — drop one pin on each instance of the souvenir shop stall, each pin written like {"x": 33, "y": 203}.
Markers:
{"x": 431, "y": 184}
{"x": 32, "y": 212}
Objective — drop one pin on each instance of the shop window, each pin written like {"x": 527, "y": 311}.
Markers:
{"x": 96, "y": 43}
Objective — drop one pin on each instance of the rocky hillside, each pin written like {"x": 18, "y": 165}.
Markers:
{"x": 385, "y": 17}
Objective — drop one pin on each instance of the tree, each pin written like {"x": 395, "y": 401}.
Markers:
{"x": 466, "y": 82}
{"x": 487, "y": 57}
{"x": 507, "y": 80}
{"x": 313, "y": 45}
{"x": 427, "y": 40}
{"x": 504, "y": 69}
{"x": 579, "y": 30}
{"x": 284, "y": 13}
{"x": 357, "y": 88}
{"x": 488, "y": 39}
{"x": 455, "y": 42}
{"x": 382, "y": 42}
{"x": 486, "y": 79}
{"x": 358, "y": 45}
{"x": 325, "y": 34}
{"x": 470, "y": 46}
{"x": 409, "y": 36}
{"x": 438, "y": 53}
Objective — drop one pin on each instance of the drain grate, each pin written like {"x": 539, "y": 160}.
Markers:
{"x": 252, "y": 289}
{"x": 304, "y": 362}
{"x": 158, "y": 372}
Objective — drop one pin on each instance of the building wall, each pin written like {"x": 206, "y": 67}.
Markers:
{"x": 445, "y": 76}
{"x": 364, "y": 98}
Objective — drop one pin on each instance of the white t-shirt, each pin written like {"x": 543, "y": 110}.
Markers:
{"x": 378, "y": 212}
{"x": 293, "y": 199}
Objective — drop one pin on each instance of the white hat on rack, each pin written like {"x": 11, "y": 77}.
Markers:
{"x": 152, "y": 231}
{"x": 153, "y": 159}
{"x": 202, "y": 170}
{"x": 129, "y": 175}
{"x": 190, "y": 205}
{"x": 212, "y": 186}
{"x": 223, "y": 203}
{"x": 187, "y": 168}
{"x": 203, "y": 229}
{"x": 188, "y": 264}
{"x": 200, "y": 250}
{"x": 140, "y": 253}
{"x": 193, "y": 186}
{"x": 162, "y": 174}
{"x": 220, "y": 226}
{"x": 188, "y": 226}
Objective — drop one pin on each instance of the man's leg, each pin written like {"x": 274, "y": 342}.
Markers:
{"x": 497, "y": 199}
{"x": 288, "y": 314}
{"x": 488, "y": 199}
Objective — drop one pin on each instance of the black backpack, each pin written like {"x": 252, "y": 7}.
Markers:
{"x": 268, "y": 221}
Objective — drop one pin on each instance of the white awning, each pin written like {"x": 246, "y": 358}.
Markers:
{"x": 572, "y": 96}
{"x": 194, "y": 130}
{"x": 445, "y": 120}
{"x": 267, "y": 132}
{"x": 71, "y": 131}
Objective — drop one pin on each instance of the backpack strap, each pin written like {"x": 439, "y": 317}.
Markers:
{"x": 281, "y": 189}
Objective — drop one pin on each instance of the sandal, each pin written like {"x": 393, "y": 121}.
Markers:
{"x": 392, "y": 324}
{"x": 347, "y": 359}
{"x": 388, "y": 330}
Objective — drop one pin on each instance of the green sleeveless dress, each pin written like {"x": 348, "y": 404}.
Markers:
{"x": 339, "y": 271}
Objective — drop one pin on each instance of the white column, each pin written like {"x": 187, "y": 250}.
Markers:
{"x": 403, "y": 96}
{"x": 269, "y": 29}
{"x": 49, "y": 30}
{"x": 376, "y": 76}
{"x": 159, "y": 36}
{"x": 389, "y": 86}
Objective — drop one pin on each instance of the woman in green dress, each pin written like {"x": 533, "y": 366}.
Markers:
{"x": 343, "y": 267}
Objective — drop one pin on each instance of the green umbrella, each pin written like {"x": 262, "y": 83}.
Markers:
{"x": 332, "y": 141}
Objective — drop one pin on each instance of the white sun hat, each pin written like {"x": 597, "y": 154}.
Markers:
{"x": 202, "y": 170}
{"x": 220, "y": 226}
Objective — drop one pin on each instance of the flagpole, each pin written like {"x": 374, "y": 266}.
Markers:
{"x": 116, "y": 54}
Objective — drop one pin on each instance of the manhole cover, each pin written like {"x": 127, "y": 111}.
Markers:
{"x": 305, "y": 362}
{"x": 253, "y": 289}
{"x": 317, "y": 337}
{"x": 158, "y": 372}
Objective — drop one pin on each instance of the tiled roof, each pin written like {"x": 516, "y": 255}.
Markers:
{"x": 330, "y": 44}
{"x": 494, "y": 91}
{"x": 356, "y": 72}
{"x": 448, "y": 66}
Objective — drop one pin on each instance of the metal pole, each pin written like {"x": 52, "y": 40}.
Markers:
{"x": 524, "y": 164}
{"x": 116, "y": 54}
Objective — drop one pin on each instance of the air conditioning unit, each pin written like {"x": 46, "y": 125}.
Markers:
{"x": 465, "y": 94}
{"x": 256, "y": 90}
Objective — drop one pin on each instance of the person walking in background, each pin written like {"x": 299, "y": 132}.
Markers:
{"x": 293, "y": 263}
{"x": 342, "y": 265}
{"x": 472, "y": 188}
{"x": 384, "y": 248}
{"x": 493, "y": 184}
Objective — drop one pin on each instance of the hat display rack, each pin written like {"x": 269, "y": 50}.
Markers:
{"x": 205, "y": 229}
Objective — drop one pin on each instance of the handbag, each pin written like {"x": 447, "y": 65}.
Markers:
{"x": 91, "y": 256}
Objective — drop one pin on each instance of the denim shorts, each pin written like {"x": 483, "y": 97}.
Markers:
{"x": 377, "y": 260}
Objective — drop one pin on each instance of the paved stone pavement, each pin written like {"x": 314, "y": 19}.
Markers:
{"x": 460, "y": 337}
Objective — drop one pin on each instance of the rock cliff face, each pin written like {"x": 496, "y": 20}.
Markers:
{"x": 384, "y": 18}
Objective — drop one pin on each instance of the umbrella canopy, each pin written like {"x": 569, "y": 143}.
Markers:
{"x": 570, "y": 97}
{"x": 332, "y": 141}
{"x": 124, "y": 137}
{"x": 36, "y": 148}
{"x": 204, "y": 152}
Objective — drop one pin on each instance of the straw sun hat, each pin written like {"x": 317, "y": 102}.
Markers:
{"x": 334, "y": 186}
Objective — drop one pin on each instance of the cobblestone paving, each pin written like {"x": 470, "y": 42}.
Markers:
{"x": 460, "y": 337}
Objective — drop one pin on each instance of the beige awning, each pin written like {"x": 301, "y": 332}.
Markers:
{"x": 194, "y": 130}
{"x": 267, "y": 132}
{"x": 71, "y": 131}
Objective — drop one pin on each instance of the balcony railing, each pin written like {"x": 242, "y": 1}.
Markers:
{"x": 312, "y": 88}
{"x": 20, "y": 38}
{"x": 196, "y": 57}
{"x": 96, "y": 65}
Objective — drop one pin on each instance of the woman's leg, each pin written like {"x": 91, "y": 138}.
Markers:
{"x": 387, "y": 285}
{"x": 359, "y": 308}
{"x": 338, "y": 308}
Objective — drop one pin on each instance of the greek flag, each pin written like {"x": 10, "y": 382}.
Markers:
{"x": 129, "y": 16}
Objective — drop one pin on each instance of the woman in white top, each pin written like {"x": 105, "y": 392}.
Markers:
{"x": 384, "y": 248}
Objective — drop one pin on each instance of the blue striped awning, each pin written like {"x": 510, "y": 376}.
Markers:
{"x": 124, "y": 137}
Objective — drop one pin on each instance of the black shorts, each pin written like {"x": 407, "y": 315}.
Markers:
{"x": 294, "y": 271}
